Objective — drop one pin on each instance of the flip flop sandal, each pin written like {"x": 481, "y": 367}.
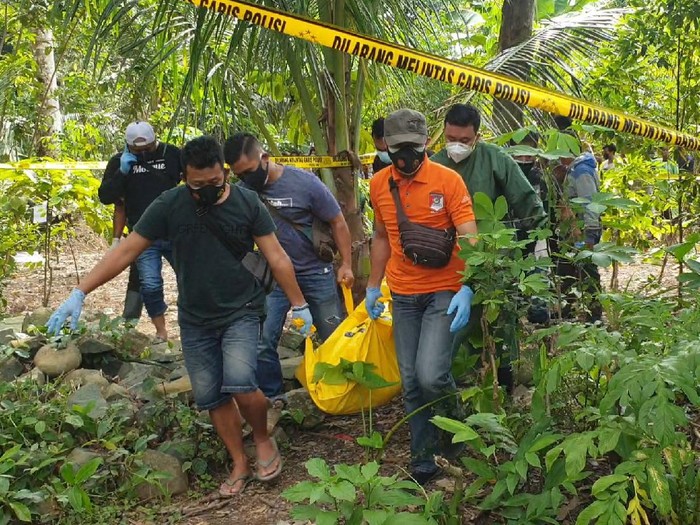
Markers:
{"x": 264, "y": 464}
{"x": 242, "y": 481}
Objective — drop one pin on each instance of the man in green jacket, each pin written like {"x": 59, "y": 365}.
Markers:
{"x": 486, "y": 168}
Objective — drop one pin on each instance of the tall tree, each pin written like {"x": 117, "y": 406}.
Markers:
{"x": 49, "y": 125}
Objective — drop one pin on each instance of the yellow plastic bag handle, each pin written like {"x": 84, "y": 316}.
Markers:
{"x": 347, "y": 297}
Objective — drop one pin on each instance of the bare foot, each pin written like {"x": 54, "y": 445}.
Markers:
{"x": 236, "y": 482}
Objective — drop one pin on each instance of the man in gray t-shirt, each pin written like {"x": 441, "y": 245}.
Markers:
{"x": 294, "y": 197}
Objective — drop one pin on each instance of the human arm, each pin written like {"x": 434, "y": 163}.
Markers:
{"x": 118, "y": 222}
{"x": 282, "y": 269}
{"x": 111, "y": 265}
{"x": 380, "y": 253}
{"x": 341, "y": 235}
{"x": 113, "y": 185}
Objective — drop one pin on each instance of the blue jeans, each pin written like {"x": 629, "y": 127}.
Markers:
{"x": 150, "y": 265}
{"x": 424, "y": 351}
{"x": 221, "y": 361}
{"x": 320, "y": 291}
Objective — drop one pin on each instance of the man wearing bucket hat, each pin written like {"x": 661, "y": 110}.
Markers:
{"x": 133, "y": 179}
{"x": 420, "y": 208}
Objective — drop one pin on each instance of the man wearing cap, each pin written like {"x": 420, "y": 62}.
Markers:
{"x": 133, "y": 179}
{"x": 430, "y": 302}
{"x": 486, "y": 168}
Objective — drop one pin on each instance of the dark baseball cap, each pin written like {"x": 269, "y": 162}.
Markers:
{"x": 405, "y": 126}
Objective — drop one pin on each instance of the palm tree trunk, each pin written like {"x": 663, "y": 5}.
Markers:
{"x": 49, "y": 121}
{"x": 516, "y": 27}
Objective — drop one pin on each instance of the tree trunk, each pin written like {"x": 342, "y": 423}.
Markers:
{"x": 516, "y": 27}
{"x": 49, "y": 121}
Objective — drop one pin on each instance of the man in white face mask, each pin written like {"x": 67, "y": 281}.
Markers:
{"x": 486, "y": 168}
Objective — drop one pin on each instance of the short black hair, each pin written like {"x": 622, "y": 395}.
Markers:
{"x": 378, "y": 128}
{"x": 463, "y": 115}
{"x": 202, "y": 152}
{"x": 240, "y": 144}
{"x": 610, "y": 147}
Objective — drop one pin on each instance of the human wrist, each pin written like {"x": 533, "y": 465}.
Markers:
{"x": 300, "y": 307}
{"x": 77, "y": 291}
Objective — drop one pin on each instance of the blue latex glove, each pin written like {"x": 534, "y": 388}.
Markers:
{"x": 372, "y": 304}
{"x": 71, "y": 307}
{"x": 462, "y": 303}
{"x": 127, "y": 161}
{"x": 303, "y": 313}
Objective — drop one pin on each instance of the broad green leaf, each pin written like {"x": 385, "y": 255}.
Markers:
{"x": 658, "y": 487}
{"x": 693, "y": 265}
{"x": 87, "y": 470}
{"x": 480, "y": 468}
{"x": 500, "y": 207}
{"x": 370, "y": 470}
{"x": 601, "y": 259}
{"x": 40, "y": 427}
{"x": 591, "y": 512}
{"x": 552, "y": 456}
{"x": 4, "y": 485}
{"x": 544, "y": 441}
{"x": 67, "y": 473}
{"x": 607, "y": 439}
{"x": 604, "y": 483}
{"x": 349, "y": 472}
{"x": 326, "y": 517}
{"x": 75, "y": 498}
{"x": 318, "y": 468}
{"x": 74, "y": 420}
{"x": 343, "y": 490}
{"x": 305, "y": 512}
{"x": 318, "y": 493}
{"x": 375, "y": 517}
{"x": 406, "y": 518}
{"x": 576, "y": 450}
{"x": 483, "y": 207}
{"x": 533, "y": 459}
{"x": 21, "y": 511}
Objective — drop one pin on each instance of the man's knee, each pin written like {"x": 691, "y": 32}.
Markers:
{"x": 434, "y": 382}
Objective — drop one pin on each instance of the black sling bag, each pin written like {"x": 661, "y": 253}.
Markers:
{"x": 423, "y": 245}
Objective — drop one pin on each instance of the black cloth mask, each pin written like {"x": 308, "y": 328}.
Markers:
{"x": 407, "y": 160}
{"x": 256, "y": 180}
{"x": 208, "y": 195}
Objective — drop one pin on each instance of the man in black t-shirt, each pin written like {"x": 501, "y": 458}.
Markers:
{"x": 220, "y": 303}
{"x": 133, "y": 179}
{"x": 381, "y": 159}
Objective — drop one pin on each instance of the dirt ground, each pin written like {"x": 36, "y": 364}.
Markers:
{"x": 333, "y": 441}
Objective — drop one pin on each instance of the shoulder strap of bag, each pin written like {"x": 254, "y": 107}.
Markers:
{"x": 274, "y": 211}
{"x": 394, "y": 189}
{"x": 218, "y": 232}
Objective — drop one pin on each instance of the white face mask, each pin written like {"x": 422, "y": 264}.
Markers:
{"x": 458, "y": 151}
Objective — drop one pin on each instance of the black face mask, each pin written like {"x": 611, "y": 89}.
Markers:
{"x": 208, "y": 195}
{"x": 256, "y": 180}
{"x": 526, "y": 168}
{"x": 407, "y": 160}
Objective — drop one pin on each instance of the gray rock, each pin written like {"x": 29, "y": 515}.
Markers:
{"x": 161, "y": 462}
{"x": 114, "y": 391}
{"x": 38, "y": 317}
{"x": 182, "y": 449}
{"x": 140, "y": 379}
{"x": 10, "y": 368}
{"x": 34, "y": 375}
{"x": 14, "y": 323}
{"x": 53, "y": 362}
{"x": 7, "y": 334}
{"x": 89, "y": 395}
{"x": 292, "y": 340}
{"x": 299, "y": 402}
{"x": 95, "y": 343}
{"x": 290, "y": 365}
{"x": 135, "y": 342}
{"x": 178, "y": 373}
{"x": 84, "y": 376}
{"x": 285, "y": 352}
{"x": 80, "y": 456}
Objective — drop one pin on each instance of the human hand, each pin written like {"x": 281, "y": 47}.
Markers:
{"x": 127, "y": 161}
{"x": 372, "y": 304}
{"x": 462, "y": 304}
{"x": 345, "y": 275}
{"x": 301, "y": 317}
{"x": 71, "y": 307}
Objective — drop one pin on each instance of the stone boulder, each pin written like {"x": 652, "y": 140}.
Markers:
{"x": 7, "y": 334}
{"x": 33, "y": 376}
{"x": 292, "y": 340}
{"x": 161, "y": 462}
{"x": 113, "y": 392}
{"x": 10, "y": 368}
{"x": 290, "y": 365}
{"x": 299, "y": 400}
{"x": 140, "y": 379}
{"x": 54, "y": 362}
{"x": 95, "y": 343}
{"x": 80, "y": 456}
{"x": 85, "y": 376}
{"x": 89, "y": 395}
{"x": 38, "y": 317}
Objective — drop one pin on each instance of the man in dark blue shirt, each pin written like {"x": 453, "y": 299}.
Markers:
{"x": 295, "y": 198}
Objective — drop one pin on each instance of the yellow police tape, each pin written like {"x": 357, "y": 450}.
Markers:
{"x": 499, "y": 86}
{"x": 308, "y": 162}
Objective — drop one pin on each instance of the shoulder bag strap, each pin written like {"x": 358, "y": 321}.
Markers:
{"x": 394, "y": 189}
{"x": 218, "y": 232}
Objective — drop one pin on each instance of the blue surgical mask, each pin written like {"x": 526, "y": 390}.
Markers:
{"x": 384, "y": 157}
